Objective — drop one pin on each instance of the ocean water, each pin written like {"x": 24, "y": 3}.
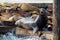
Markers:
{"x": 10, "y": 36}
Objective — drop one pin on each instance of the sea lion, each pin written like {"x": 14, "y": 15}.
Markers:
{"x": 30, "y": 22}
{"x": 27, "y": 7}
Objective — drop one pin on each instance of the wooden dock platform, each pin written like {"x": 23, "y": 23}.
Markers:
{"x": 4, "y": 29}
{"x": 24, "y": 32}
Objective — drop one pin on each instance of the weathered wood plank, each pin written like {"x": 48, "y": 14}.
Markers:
{"x": 24, "y": 32}
{"x": 20, "y": 31}
{"x": 30, "y": 32}
{"x": 4, "y": 29}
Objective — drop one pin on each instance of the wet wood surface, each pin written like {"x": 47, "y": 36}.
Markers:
{"x": 4, "y": 29}
{"x": 24, "y": 32}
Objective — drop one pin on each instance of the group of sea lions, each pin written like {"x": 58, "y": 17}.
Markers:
{"x": 24, "y": 12}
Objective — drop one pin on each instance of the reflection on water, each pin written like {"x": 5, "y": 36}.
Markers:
{"x": 10, "y": 36}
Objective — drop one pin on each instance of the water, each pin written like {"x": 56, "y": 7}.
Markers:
{"x": 10, "y": 36}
